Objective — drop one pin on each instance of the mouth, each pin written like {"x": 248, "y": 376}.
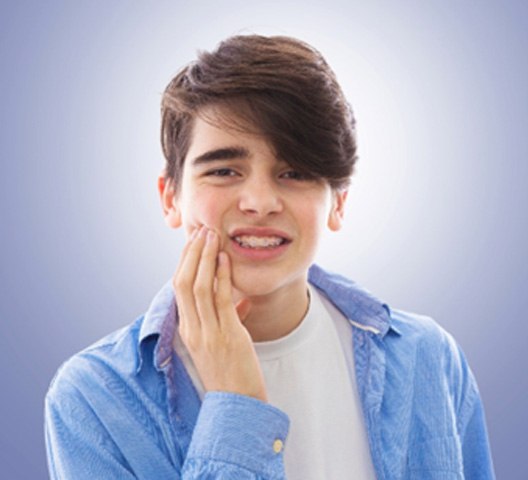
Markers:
{"x": 259, "y": 242}
{"x": 260, "y": 239}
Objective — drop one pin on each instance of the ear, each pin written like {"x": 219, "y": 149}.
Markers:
{"x": 169, "y": 202}
{"x": 337, "y": 211}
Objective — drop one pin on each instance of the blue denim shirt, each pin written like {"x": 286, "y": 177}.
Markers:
{"x": 126, "y": 408}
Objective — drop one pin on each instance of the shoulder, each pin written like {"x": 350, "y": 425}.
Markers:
{"x": 421, "y": 329}
{"x": 426, "y": 338}
{"x": 435, "y": 356}
{"x": 113, "y": 356}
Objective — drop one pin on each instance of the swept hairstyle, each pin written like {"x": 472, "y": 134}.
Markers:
{"x": 277, "y": 86}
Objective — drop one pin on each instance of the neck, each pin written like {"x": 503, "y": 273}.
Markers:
{"x": 275, "y": 315}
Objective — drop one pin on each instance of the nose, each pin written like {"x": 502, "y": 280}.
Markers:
{"x": 260, "y": 197}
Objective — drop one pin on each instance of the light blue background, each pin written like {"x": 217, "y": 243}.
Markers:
{"x": 437, "y": 217}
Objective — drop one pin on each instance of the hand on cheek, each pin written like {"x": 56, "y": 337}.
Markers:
{"x": 210, "y": 323}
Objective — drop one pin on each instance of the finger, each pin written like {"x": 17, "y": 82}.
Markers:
{"x": 204, "y": 282}
{"x": 181, "y": 318}
{"x": 227, "y": 313}
{"x": 190, "y": 258}
{"x": 188, "y": 244}
{"x": 183, "y": 282}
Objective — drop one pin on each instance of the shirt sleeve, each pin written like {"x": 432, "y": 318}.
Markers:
{"x": 471, "y": 424}
{"x": 476, "y": 450}
{"x": 237, "y": 436}
{"x": 90, "y": 437}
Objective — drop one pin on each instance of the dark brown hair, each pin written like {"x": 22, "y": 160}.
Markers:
{"x": 278, "y": 85}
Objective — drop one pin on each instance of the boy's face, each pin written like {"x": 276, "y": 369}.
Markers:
{"x": 268, "y": 218}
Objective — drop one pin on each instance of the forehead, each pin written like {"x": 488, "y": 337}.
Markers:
{"x": 219, "y": 128}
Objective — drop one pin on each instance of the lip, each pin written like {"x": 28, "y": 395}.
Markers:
{"x": 259, "y": 254}
{"x": 260, "y": 232}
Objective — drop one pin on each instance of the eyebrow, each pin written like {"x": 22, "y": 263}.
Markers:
{"x": 227, "y": 153}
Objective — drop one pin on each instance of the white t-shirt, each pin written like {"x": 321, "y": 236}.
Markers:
{"x": 310, "y": 376}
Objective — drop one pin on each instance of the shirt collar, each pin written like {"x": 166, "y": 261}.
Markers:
{"x": 361, "y": 308}
{"x": 159, "y": 323}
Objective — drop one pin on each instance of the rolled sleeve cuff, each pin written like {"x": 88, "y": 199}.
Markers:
{"x": 240, "y": 430}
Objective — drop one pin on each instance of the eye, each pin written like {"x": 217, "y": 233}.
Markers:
{"x": 295, "y": 175}
{"x": 221, "y": 172}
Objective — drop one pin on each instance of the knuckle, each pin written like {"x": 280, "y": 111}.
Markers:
{"x": 199, "y": 289}
{"x": 192, "y": 342}
{"x": 182, "y": 328}
{"x": 223, "y": 304}
{"x": 181, "y": 283}
{"x": 222, "y": 300}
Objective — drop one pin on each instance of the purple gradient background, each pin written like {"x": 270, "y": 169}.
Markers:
{"x": 435, "y": 224}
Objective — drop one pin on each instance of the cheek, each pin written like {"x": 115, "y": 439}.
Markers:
{"x": 313, "y": 223}
{"x": 312, "y": 216}
{"x": 203, "y": 209}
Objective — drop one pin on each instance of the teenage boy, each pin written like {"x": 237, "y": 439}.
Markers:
{"x": 252, "y": 363}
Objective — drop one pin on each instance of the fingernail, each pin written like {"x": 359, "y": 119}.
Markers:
{"x": 203, "y": 231}
{"x": 193, "y": 234}
{"x": 210, "y": 235}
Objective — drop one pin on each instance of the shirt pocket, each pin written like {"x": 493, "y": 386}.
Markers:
{"x": 438, "y": 458}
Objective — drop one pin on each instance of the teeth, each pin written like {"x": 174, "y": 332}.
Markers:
{"x": 250, "y": 241}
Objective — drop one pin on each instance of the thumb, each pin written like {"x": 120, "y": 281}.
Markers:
{"x": 243, "y": 307}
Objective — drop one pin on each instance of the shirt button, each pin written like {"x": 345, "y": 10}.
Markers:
{"x": 278, "y": 445}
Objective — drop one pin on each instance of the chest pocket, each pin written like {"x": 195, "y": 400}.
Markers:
{"x": 435, "y": 459}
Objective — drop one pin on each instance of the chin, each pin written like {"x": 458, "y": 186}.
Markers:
{"x": 251, "y": 282}
{"x": 260, "y": 281}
